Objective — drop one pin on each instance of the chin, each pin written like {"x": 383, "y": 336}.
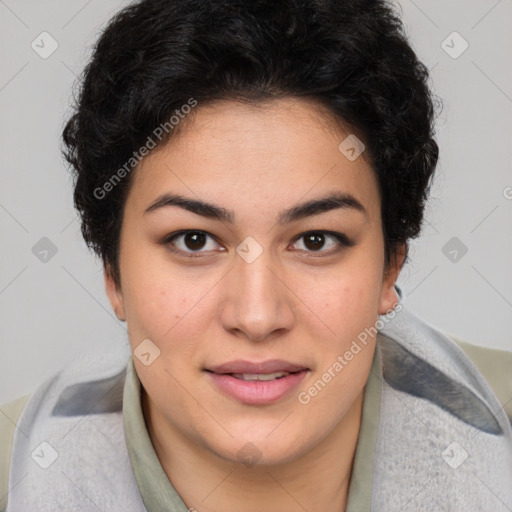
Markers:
{"x": 259, "y": 450}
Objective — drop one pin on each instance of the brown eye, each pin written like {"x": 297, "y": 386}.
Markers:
{"x": 192, "y": 243}
{"x": 194, "y": 240}
{"x": 314, "y": 241}
{"x": 322, "y": 242}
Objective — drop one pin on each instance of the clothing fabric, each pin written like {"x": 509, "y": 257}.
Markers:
{"x": 433, "y": 435}
{"x": 444, "y": 440}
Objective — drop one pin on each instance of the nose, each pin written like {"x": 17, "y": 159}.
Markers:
{"x": 258, "y": 304}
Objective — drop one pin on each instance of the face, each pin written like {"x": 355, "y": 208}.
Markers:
{"x": 231, "y": 257}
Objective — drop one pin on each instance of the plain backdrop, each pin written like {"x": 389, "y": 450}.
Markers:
{"x": 53, "y": 305}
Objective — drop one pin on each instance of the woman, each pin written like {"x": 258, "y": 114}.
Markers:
{"x": 250, "y": 174}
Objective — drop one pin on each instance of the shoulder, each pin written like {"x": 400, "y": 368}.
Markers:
{"x": 496, "y": 367}
{"x": 91, "y": 381}
{"x": 9, "y": 414}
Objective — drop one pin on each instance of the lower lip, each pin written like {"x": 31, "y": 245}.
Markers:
{"x": 257, "y": 391}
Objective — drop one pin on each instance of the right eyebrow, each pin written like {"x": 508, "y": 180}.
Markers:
{"x": 192, "y": 205}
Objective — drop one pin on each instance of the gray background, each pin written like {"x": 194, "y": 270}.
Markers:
{"x": 52, "y": 310}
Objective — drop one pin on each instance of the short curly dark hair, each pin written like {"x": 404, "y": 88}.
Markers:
{"x": 352, "y": 56}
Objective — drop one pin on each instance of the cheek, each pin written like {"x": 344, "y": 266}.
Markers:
{"x": 347, "y": 301}
{"x": 348, "y": 305}
{"x": 163, "y": 308}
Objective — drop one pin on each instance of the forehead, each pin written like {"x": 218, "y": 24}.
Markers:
{"x": 239, "y": 154}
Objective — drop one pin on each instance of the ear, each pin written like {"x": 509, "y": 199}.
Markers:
{"x": 114, "y": 294}
{"x": 389, "y": 297}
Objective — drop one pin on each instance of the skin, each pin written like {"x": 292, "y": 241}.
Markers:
{"x": 294, "y": 302}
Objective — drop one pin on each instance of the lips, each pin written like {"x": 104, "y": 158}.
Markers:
{"x": 270, "y": 366}
{"x": 257, "y": 383}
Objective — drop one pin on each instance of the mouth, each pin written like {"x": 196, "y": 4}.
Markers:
{"x": 260, "y": 376}
{"x": 257, "y": 383}
{"x": 269, "y": 367}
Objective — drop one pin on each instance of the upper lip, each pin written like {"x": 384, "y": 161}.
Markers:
{"x": 264, "y": 367}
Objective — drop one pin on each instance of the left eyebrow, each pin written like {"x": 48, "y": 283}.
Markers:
{"x": 327, "y": 203}
{"x": 334, "y": 201}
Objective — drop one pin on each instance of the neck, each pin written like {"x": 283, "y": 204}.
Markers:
{"x": 315, "y": 481}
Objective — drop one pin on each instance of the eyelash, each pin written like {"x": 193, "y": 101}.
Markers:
{"x": 342, "y": 240}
